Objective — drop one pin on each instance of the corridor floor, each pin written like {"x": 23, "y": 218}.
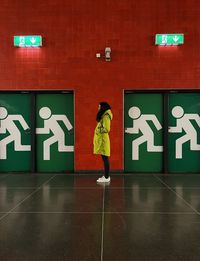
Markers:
{"x": 58, "y": 217}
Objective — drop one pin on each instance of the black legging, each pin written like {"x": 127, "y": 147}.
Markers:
{"x": 106, "y": 166}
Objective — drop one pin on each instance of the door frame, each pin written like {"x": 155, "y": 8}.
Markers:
{"x": 165, "y": 93}
{"x": 33, "y": 94}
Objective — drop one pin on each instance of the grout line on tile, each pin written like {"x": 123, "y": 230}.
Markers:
{"x": 10, "y": 211}
{"x": 102, "y": 227}
{"x": 188, "y": 204}
{"x": 99, "y": 212}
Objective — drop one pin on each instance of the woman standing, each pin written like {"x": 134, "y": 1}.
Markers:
{"x": 101, "y": 138}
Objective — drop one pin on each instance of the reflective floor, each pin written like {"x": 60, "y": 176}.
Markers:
{"x": 70, "y": 217}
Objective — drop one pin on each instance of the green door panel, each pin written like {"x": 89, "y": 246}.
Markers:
{"x": 184, "y": 132}
{"x": 54, "y": 132}
{"x": 15, "y": 139}
{"x": 143, "y": 137}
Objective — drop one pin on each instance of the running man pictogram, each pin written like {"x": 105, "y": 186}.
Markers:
{"x": 7, "y": 124}
{"x": 184, "y": 124}
{"x": 51, "y": 125}
{"x": 140, "y": 124}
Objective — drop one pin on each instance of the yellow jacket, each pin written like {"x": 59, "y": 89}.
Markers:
{"x": 101, "y": 139}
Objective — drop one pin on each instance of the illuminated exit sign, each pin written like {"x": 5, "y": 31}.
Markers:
{"x": 169, "y": 39}
{"x": 28, "y": 41}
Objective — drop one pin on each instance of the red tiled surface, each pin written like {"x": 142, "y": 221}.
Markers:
{"x": 74, "y": 31}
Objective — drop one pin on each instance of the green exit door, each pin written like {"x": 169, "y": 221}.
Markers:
{"x": 36, "y": 132}
{"x": 184, "y": 132}
{"x": 15, "y": 134}
{"x": 143, "y": 137}
{"x": 54, "y": 132}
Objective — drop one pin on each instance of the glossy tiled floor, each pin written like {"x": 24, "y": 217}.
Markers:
{"x": 70, "y": 217}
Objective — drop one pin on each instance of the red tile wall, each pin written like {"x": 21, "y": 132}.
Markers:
{"x": 74, "y": 31}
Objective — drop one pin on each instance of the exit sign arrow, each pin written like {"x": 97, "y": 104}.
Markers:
{"x": 33, "y": 40}
{"x": 175, "y": 38}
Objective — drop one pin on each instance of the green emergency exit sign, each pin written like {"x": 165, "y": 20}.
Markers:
{"x": 28, "y": 41}
{"x": 169, "y": 39}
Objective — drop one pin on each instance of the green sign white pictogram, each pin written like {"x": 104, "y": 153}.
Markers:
{"x": 28, "y": 41}
{"x": 169, "y": 39}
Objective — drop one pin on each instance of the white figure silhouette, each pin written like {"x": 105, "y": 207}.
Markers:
{"x": 164, "y": 39}
{"x": 7, "y": 123}
{"x": 21, "y": 40}
{"x": 51, "y": 124}
{"x": 140, "y": 124}
{"x": 183, "y": 123}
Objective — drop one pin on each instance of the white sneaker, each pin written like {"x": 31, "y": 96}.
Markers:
{"x": 103, "y": 179}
